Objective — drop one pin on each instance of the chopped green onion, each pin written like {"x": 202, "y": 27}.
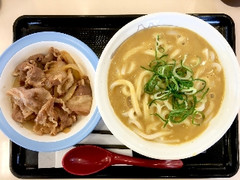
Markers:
{"x": 175, "y": 83}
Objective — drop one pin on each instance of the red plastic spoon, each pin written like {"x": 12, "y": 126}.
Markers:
{"x": 89, "y": 159}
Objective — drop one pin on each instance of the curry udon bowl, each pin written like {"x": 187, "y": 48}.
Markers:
{"x": 134, "y": 134}
{"x": 18, "y": 52}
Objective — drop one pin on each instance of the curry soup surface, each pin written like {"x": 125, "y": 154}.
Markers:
{"x": 128, "y": 76}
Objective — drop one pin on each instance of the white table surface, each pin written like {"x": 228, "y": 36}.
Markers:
{"x": 10, "y": 10}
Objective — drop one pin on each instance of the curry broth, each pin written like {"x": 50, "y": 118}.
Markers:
{"x": 177, "y": 42}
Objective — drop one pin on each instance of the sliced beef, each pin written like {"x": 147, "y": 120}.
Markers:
{"x": 66, "y": 84}
{"x": 81, "y": 101}
{"x": 53, "y": 55}
{"x": 29, "y": 74}
{"x": 35, "y": 77}
{"x": 53, "y": 117}
{"x": 52, "y": 92}
{"x": 28, "y": 101}
{"x": 54, "y": 73}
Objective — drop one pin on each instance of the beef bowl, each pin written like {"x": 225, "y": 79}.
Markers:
{"x": 47, "y": 100}
{"x": 167, "y": 85}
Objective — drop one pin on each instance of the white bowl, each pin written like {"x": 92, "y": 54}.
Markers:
{"x": 218, "y": 125}
{"x": 20, "y": 51}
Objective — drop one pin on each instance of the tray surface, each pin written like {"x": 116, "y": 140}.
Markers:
{"x": 221, "y": 160}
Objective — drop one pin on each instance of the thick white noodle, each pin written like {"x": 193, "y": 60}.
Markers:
{"x": 126, "y": 91}
{"x": 212, "y": 56}
{"x": 209, "y": 109}
{"x": 199, "y": 72}
{"x": 153, "y": 135}
{"x": 175, "y": 53}
{"x": 201, "y": 105}
{"x": 149, "y": 52}
{"x": 206, "y": 53}
{"x": 152, "y": 126}
{"x": 169, "y": 141}
{"x": 187, "y": 122}
{"x": 128, "y": 69}
{"x": 133, "y": 118}
{"x": 140, "y": 83}
{"x": 132, "y": 52}
{"x": 182, "y": 40}
{"x": 134, "y": 101}
{"x": 146, "y": 109}
{"x": 131, "y": 68}
{"x": 217, "y": 66}
{"x": 168, "y": 105}
{"x": 123, "y": 70}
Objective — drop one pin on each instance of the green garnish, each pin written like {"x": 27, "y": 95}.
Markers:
{"x": 175, "y": 83}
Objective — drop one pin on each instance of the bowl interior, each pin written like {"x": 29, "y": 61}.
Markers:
{"x": 7, "y": 82}
{"x": 217, "y": 126}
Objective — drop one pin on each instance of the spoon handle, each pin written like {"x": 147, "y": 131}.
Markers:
{"x": 151, "y": 163}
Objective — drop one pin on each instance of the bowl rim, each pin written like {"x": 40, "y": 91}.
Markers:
{"x": 155, "y": 19}
{"x": 48, "y": 36}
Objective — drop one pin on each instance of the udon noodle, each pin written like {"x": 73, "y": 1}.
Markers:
{"x": 166, "y": 84}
